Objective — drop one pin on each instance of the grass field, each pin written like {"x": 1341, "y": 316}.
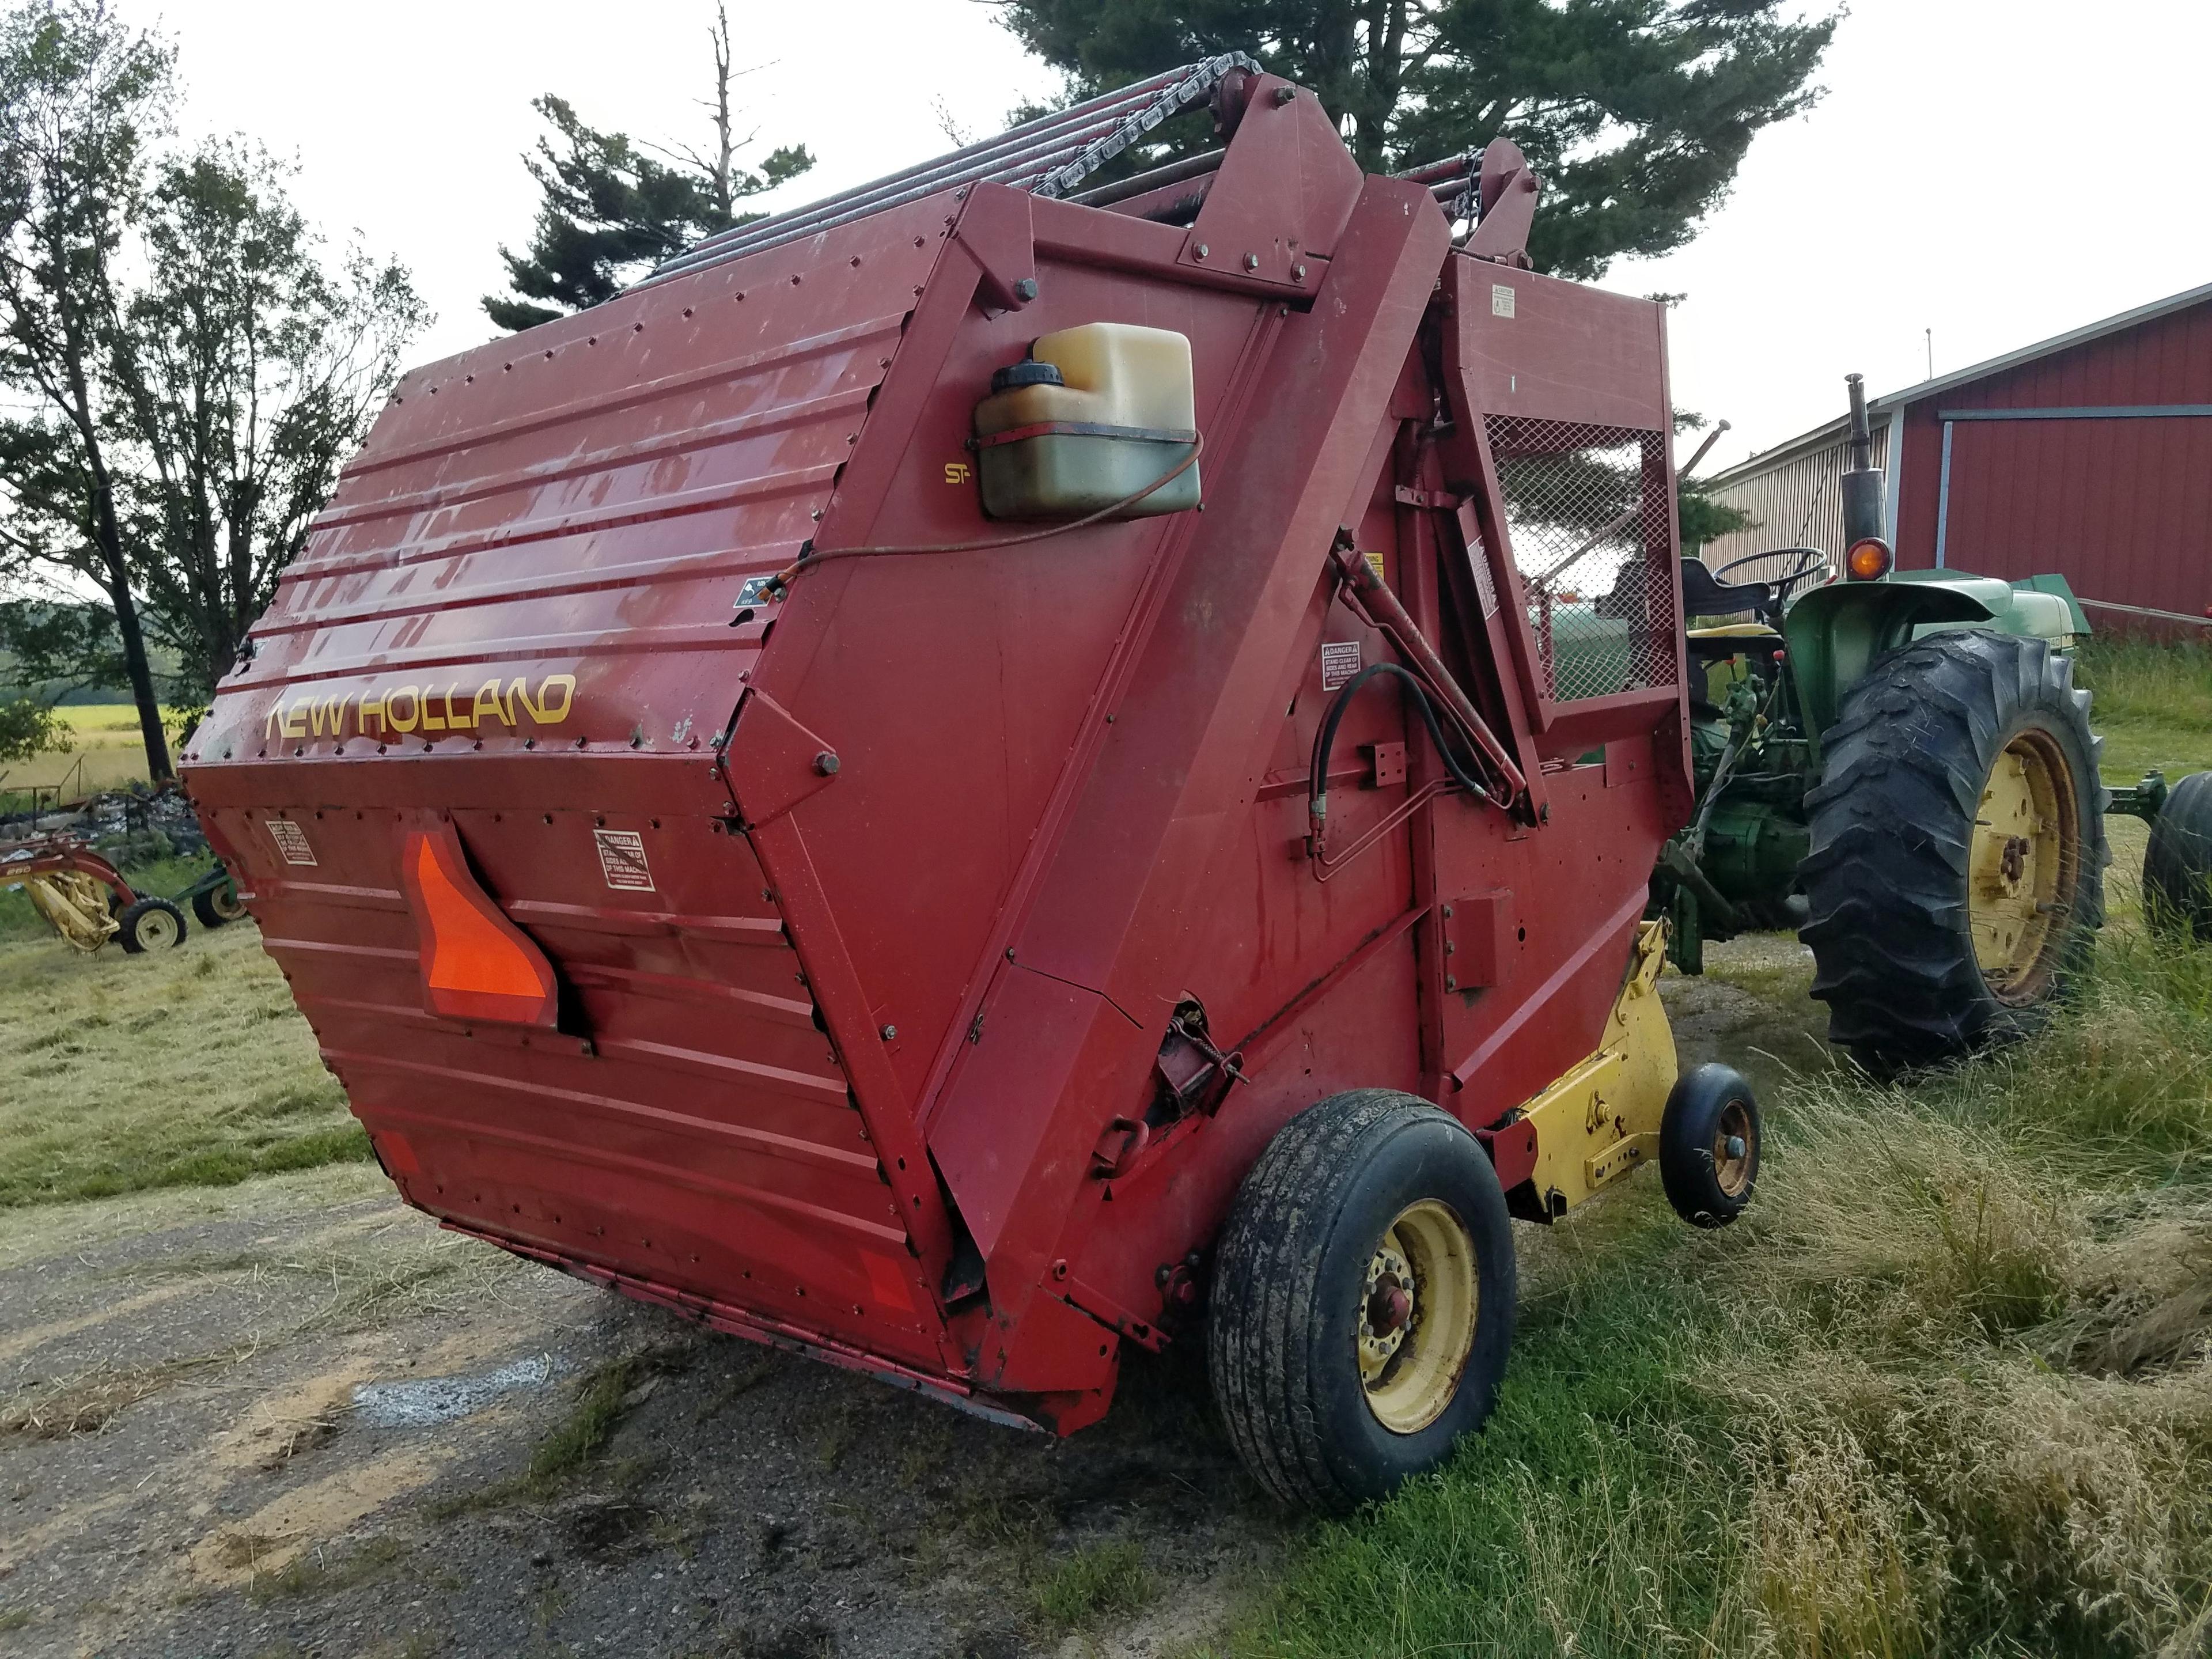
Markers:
{"x": 1947, "y": 1389}
{"x": 103, "y": 737}
{"x": 124, "y": 1073}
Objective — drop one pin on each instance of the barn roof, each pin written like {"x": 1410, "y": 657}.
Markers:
{"x": 1830, "y": 432}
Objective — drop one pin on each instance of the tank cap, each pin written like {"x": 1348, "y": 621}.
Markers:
{"x": 1028, "y": 371}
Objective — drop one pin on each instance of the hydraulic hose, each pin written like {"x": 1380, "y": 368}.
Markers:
{"x": 1325, "y": 739}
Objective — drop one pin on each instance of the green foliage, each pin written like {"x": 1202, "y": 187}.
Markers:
{"x": 250, "y": 369}
{"x": 191, "y": 368}
{"x": 1636, "y": 112}
{"x": 612, "y": 210}
{"x": 1098, "y": 1581}
{"x": 53, "y": 648}
{"x": 81, "y": 101}
{"x": 29, "y": 726}
{"x": 1704, "y": 519}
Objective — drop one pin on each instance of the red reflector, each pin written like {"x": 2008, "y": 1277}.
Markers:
{"x": 477, "y": 964}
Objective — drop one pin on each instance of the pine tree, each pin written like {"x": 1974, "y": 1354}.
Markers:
{"x": 1636, "y": 112}
{"x": 611, "y": 211}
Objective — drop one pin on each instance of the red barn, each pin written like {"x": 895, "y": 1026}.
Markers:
{"x": 2089, "y": 454}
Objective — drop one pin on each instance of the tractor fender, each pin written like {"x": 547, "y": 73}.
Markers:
{"x": 1835, "y": 633}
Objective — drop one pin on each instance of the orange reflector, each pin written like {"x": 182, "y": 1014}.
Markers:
{"x": 477, "y": 964}
{"x": 1869, "y": 560}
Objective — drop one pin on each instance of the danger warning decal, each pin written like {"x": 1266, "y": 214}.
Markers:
{"x": 621, "y": 861}
{"x": 1340, "y": 661}
{"x": 291, "y": 841}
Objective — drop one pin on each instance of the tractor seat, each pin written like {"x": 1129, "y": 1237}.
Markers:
{"x": 1704, "y": 594}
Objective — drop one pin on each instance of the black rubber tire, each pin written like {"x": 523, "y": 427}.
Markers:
{"x": 1688, "y": 1128}
{"x": 139, "y": 928}
{"x": 218, "y": 906}
{"x": 1893, "y": 819}
{"x": 1289, "y": 1276}
{"x": 2177, "y": 876}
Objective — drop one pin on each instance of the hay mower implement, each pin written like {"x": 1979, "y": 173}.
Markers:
{"x": 85, "y": 900}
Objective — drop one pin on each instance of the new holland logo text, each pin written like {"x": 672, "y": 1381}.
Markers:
{"x": 401, "y": 709}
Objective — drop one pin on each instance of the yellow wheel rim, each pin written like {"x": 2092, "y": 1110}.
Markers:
{"x": 1735, "y": 1145}
{"x": 1417, "y": 1315}
{"x": 2022, "y": 867}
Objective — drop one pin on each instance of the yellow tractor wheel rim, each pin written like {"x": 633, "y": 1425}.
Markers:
{"x": 1417, "y": 1315}
{"x": 2022, "y": 866}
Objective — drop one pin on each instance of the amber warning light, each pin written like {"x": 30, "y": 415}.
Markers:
{"x": 477, "y": 964}
{"x": 1869, "y": 560}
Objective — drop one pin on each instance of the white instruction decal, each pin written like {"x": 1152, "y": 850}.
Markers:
{"x": 291, "y": 841}
{"x": 621, "y": 861}
{"x": 1340, "y": 661}
{"x": 1501, "y": 300}
{"x": 1484, "y": 585}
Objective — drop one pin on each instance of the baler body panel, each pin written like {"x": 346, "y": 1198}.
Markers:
{"x": 871, "y": 896}
{"x": 517, "y": 616}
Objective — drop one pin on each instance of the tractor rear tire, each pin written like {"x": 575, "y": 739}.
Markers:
{"x": 1362, "y": 1303}
{"x": 1957, "y": 870}
{"x": 2177, "y": 878}
{"x": 151, "y": 924}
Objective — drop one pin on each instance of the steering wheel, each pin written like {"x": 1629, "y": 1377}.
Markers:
{"x": 1806, "y": 562}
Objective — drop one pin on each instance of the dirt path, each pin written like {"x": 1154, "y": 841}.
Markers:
{"x": 220, "y": 1441}
{"x": 293, "y": 1418}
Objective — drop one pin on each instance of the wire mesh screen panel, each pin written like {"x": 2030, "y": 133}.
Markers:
{"x": 1590, "y": 510}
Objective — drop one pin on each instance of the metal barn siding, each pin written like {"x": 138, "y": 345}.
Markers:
{"x": 1793, "y": 497}
{"x": 2093, "y": 460}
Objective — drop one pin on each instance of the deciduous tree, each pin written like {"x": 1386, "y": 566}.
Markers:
{"x": 80, "y": 98}
{"x": 189, "y": 371}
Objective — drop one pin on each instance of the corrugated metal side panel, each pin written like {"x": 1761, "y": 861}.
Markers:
{"x": 1798, "y": 503}
{"x": 518, "y": 613}
{"x": 2121, "y": 508}
{"x": 586, "y": 499}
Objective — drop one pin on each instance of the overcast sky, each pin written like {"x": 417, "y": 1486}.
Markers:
{"x": 1997, "y": 171}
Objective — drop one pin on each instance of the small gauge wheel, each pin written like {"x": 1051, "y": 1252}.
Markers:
{"x": 151, "y": 924}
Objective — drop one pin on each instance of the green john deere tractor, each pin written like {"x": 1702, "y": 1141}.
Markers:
{"x": 1899, "y": 764}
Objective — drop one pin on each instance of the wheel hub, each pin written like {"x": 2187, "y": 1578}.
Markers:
{"x": 1417, "y": 1316}
{"x": 1732, "y": 1136}
{"x": 2022, "y": 868}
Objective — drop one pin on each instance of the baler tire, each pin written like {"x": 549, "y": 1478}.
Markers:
{"x": 2177, "y": 874}
{"x": 149, "y": 924}
{"x": 1288, "y": 1310}
{"x": 1708, "y": 1179}
{"x": 1889, "y": 882}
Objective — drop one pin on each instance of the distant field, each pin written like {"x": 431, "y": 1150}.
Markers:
{"x": 104, "y": 737}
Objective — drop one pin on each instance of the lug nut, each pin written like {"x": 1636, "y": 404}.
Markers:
{"x": 826, "y": 764}
{"x": 888, "y": 1032}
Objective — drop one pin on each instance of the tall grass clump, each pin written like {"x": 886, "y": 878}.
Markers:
{"x": 1945, "y": 1389}
{"x": 2139, "y": 678}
